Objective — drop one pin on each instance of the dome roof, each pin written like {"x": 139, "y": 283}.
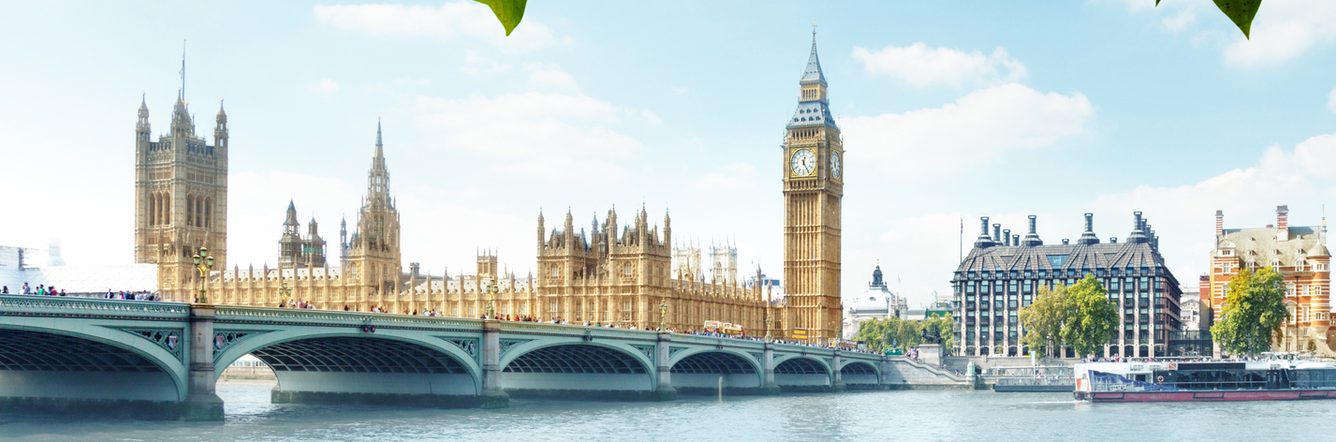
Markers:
{"x": 1319, "y": 251}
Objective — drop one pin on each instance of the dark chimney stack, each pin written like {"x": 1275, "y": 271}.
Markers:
{"x": 1006, "y": 237}
{"x": 997, "y": 233}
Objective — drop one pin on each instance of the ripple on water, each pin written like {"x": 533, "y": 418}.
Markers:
{"x": 900, "y": 415}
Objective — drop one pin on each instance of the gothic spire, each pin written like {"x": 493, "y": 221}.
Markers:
{"x": 813, "y": 74}
{"x": 292, "y": 214}
{"x": 378, "y": 178}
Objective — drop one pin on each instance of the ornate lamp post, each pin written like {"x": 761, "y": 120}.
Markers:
{"x": 203, "y": 264}
{"x": 491, "y": 301}
{"x": 286, "y": 292}
{"x": 663, "y": 315}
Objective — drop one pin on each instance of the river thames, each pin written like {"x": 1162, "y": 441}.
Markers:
{"x": 900, "y": 415}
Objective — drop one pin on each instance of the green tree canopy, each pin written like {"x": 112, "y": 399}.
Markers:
{"x": 880, "y": 335}
{"x": 1042, "y": 320}
{"x": 1080, "y": 316}
{"x": 1094, "y": 316}
{"x": 1252, "y": 314}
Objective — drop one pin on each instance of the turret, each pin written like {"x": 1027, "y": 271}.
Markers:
{"x": 667, "y": 228}
{"x": 220, "y": 130}
{"x": 142, "y": 126}
{"x": 569, "y": 231}
{"x": 541, "y": 231}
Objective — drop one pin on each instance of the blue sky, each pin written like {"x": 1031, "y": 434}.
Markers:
{"x": 950, "y": 110}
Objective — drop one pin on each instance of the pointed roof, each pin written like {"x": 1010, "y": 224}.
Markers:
{"x": 813, "y": 74}
{"x": 292, "y": 214}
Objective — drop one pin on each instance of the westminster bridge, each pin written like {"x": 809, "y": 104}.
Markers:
{"x": 164, "y": 359}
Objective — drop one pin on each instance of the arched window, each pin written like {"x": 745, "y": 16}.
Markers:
{"x": 190, "y": 210}
{"x": 166, "y": 209}
{"x": 208, "y": 212}
{"x": 152, "y": 209}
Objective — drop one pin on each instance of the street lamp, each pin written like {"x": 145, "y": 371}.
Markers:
{"x": 203, "y": 263}
{"x": 286, "y": 292}
{"x": 663, "y": 315}
{"x": 491, "y": 301}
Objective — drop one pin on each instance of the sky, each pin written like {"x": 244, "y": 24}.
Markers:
{"x": 950, "y": 111}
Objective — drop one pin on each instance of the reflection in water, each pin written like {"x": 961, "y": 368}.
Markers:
{"x": 901, "y": 415}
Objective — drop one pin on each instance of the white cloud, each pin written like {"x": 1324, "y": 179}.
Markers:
{"x": 543, "y": 134}
{"x": 727, "y": 179}
{"x": 1183, "y": 217}
{"x": 1331, "y": 100}
{"x": 972, "y": 130}
{"x": 475, "y": 64}
{"x": 550, "y": 77}
{"x": 449, "y": 22}
{"x": 1283, "y": 31}
{"x": 922, "y": 66}
{"x": 325, "y": 86}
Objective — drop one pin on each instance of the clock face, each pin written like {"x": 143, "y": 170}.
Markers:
{"x": 835, "y": 164}
{"x": 803, "y": 162}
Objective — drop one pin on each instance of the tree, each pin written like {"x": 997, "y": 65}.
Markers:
{"x": 1079, "y": 316}
{"x": 880, "y": 335}
{"x": 1253, "y": 312}
{"x": 1095, "y": 317}
{"x": 1042, "y": 320}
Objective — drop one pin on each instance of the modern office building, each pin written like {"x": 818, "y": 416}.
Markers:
{"x": 1002, "y": 274}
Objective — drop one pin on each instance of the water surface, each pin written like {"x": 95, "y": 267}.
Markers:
{"x": 899, "y": 415}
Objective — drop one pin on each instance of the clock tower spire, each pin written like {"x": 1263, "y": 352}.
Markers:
{"x": 813, "y": 183}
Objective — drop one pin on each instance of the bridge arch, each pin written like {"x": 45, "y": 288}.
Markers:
{"x": 699, "y": 371}
{"x": 802, "y": 373}
{"x": 342, "y": 364}
{"x": 56, "y": 362}
{"x": 578, "y": 368}
{"x": 860, "y": 374}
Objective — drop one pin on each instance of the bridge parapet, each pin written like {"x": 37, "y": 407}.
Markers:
{"x": 30, "y": 305}
{"x": 540, "y": 328}
{"x": 232, "y": 314}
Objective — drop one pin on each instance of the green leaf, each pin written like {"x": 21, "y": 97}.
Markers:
{"x": 509, "y": 12}
{"x": 1241, "y": 12}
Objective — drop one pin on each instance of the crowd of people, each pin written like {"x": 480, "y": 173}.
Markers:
{"x": 51, "y": 290}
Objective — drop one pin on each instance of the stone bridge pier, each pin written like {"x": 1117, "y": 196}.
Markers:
{"x": 149, "y": 359}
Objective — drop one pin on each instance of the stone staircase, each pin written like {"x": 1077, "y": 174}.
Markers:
{"x": 905, "y": 373}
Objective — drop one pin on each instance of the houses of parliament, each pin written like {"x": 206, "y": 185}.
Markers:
{"x": 614, "y": 273}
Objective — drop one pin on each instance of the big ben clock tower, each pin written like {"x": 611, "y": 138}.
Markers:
{"x": 813, "y": 186}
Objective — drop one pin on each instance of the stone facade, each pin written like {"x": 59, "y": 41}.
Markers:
{"x": 611, "y": 274}
{"x": 180, "y": 194}
{"x": 1299, "y": 254}
{"x": 813, "y": 188}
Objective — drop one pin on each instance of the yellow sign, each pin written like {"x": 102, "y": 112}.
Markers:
{"x": 800, "y": 333}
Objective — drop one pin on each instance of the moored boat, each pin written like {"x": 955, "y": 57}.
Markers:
{"x": 1276, "y": 377}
